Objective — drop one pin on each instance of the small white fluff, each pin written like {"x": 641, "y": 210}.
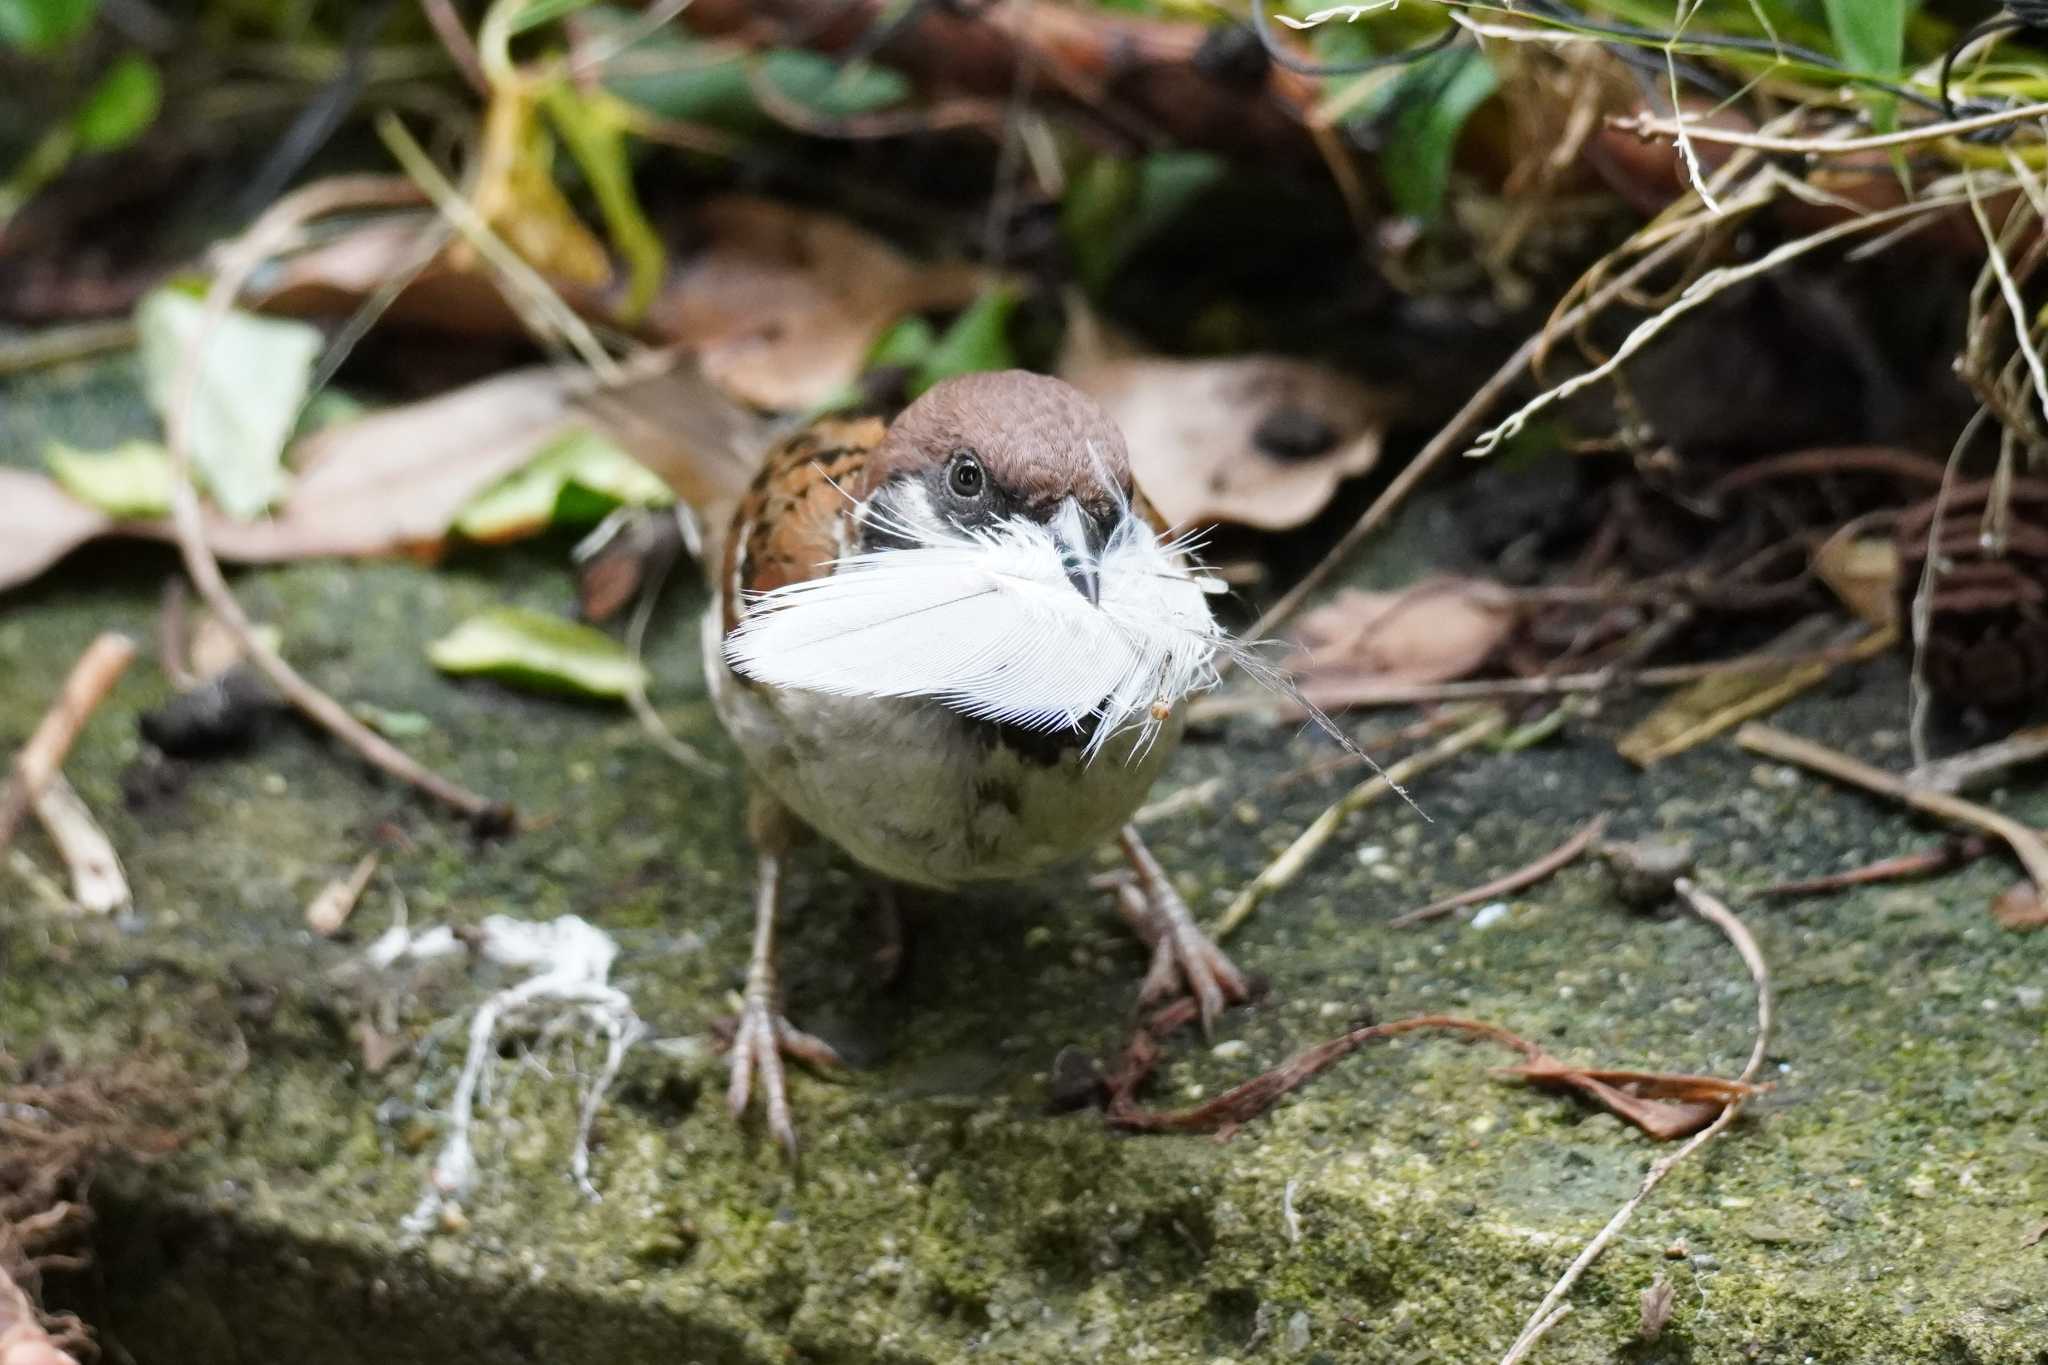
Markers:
{"x": 989, "y": 624}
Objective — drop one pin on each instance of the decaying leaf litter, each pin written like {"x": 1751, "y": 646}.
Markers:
{"x": 1684, "y": 559}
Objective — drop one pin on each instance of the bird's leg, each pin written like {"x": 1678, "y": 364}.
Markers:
{"x": 1182, "y": 954}
{"x": 762, "y": 1037}
{"x": 888, "y": 921}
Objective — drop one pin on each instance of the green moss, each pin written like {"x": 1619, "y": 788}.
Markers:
{"x": 1870, "y": 1208}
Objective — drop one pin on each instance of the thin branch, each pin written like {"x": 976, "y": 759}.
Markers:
{"x": 2025, "y": 843}
{"x": 91, "y": 678}
{"x": 1705, "y": 288}
{"x": 1721, "y": 917}
{"x": 1550, "y": 862}
{"x": 1285, "y": 868}
{"x": 1978, "y": 767}
{"x": 1650, "y": 126}
{"x": 266, "y": 236}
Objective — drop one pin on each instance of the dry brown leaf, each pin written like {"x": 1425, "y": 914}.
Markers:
{"x": 1433, "y": 631}
{"x": 1864, "y": 573}
{"x": 783, "y": 304}
{"x": 2020, "y": 906}
{"x": 1722, "y": 701}
{"x": 1256, "y": 440}
{"x": 334, "y": 278}
{"x": 393, "y": 482}
{"x": 39, "y": 524}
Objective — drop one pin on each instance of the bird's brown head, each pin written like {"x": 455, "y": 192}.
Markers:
{"x": 982, "y": 450}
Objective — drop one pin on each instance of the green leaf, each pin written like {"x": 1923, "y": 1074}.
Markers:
{"x": 121, "y": 107}
{"x": 1434, "y": 99}
{"x": 593, "y": 130}
{"x": 979, "y": 339}
{"x": 908, "y": 342}
{"x": 392, "y": 724}
{"x": 532, "y": 650}
{"x": 43, "y": 25}
{"x": 693, "y": 81}
{"x": 133, "y": 480}
{"x": 538, "y": 12}
{"x": 574, "y": 481}
{"x": 245, "y": 398}
{"x": 1871, "y": 34}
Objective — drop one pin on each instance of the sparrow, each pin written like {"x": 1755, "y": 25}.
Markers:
{"x": 958, "y": 646}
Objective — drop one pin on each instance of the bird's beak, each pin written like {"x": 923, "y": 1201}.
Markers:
{"x": 1080, "y": 544}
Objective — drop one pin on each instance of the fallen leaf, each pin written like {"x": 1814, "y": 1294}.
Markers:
{"x": 394, "y": 482}
{"x": 533, "y": 650}
{"x": 39, "y": 524}
{"x": 2020, "y": 906}
{"x": 1433, "y": 631}
{"x": 782, "y": 305}
{"x": 1256, "y": 440}
{"x": 335, "y": 277}
{"x": 392, "y": 724}
{"x": 2034, "y": 1238}
{"x": 575, "y": 481}
{"x": 1864, "y": 574}
{"x": 979, "y": 339}
{"x": 98, "y": 885}
{"x": 1723, "y": 700}
{"x": 131, "y": 480}
{"x": 245, "y": 395}
{"x": 516, "y": 195}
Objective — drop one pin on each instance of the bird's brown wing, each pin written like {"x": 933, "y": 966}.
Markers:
{"x": 797, "y": 517}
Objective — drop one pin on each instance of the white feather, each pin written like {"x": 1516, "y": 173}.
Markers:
{"x": 990, "y": 625}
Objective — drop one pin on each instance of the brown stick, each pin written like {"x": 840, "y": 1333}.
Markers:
{"x": 104, "y": 661}
{"x": 1535, "y": 872}
{"x": 1721, "y": 917}
{"x": 1952, "y": 853}
{"x": 2025, "y": 843}
{"x": 1284, "y": 869}
{"x": 266, "y": 236}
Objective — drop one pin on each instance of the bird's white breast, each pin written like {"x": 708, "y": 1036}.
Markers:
{"x": 921, "y": 794}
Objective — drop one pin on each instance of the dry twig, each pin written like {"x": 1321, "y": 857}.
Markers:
{"x": 269, "y": 234}
{"x": 1721, "y": 917}
{"x": 1285, "y": 868}
{"x": 1952, "y": 853}
{"x": 1981, "y": 766}
{"x": 1650, "y": 126}
{"x": 39, "y": 760}
{"x": 2025, "y": 843}
{"x": 1557, "y": 858}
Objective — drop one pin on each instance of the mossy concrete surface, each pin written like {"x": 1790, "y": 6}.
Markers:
{"x": 1410, "y": 1206}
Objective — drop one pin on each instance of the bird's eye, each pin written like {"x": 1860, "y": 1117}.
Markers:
{"x": 964, "y": 475}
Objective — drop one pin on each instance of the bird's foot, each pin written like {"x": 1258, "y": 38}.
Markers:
{"x": 1183, "y": 957}
{"x": 761, "y": 1038}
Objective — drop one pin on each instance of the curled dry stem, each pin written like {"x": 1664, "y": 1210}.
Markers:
{"x": 269, "y": 234}
{"x": 1721, "y": 917}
